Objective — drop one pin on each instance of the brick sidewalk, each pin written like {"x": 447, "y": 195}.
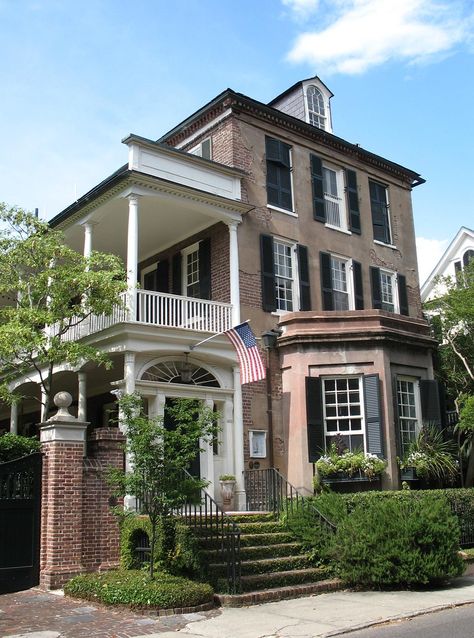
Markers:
{"x": 36, "y": 610}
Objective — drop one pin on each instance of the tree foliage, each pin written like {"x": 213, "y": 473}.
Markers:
{"x": 452, "y": 313}
{"x": 46, "y": 289}
{"x": 160, "y": 455}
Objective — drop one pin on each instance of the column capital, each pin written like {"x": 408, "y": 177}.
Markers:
{"x": 133, "y": 197}
{"x": 233, "y": 223}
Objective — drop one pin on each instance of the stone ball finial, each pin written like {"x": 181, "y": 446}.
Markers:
{"x": 62, "y": 400}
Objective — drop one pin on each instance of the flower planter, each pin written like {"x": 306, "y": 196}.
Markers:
{"x": 357, "y": 482}
{"x": 227, "y": 494}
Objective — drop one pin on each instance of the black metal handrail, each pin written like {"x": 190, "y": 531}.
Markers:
{"x": 211, "y": 522}
{"x": 268, "y": 490}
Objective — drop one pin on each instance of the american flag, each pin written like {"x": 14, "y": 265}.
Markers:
{"x": 251, "y": 364}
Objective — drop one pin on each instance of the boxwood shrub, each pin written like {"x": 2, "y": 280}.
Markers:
{"x": 14, "y": 446}
{"x": 182, "y": 558}
{"x": 398, "y": 542}
{"x": 461, "y": 502}
{"x": 135, "y": 589}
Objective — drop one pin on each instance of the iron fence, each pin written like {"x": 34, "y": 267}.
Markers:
{"x": 268, "y": 490}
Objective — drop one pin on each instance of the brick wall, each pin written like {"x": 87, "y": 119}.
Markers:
{"x": 78, "y": 531}
{"x": 100, "y": 547}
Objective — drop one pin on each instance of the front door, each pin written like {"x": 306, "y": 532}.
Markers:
{"x": 169, "y": 422}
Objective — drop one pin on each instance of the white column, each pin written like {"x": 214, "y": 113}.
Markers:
{"x": 240, "y": 503}
{"x": 44, "y": 416}
{"x": 207, "y": 457}
{"x": 129, "y": 388}
{"x": 227, "y": 434}
{"x": 14, "y": 418}
{"x": 234, "y": 273}
{"x": 82, "y": 396}
{"x": 88, "y": 238}
{"x": 129, "y": 372}
{"x": 132, "y": 255}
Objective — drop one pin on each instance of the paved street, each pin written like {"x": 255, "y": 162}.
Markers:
{"x": 38, "y": 614}
{"x": 455, "y": 623}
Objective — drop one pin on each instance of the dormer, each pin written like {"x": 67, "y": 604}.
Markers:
{"x": 308, "y": 101}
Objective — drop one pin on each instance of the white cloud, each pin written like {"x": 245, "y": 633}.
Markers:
{"x": 301, "y": 8}
{"x": 365, "y": 33}
{"x": 429, "y": 252}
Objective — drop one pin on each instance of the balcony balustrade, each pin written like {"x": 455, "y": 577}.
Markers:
{"x": 160, "y": 309}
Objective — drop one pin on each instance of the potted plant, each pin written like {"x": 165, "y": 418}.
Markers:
{"x": 227, "y": 483}
{"x": 346, "y": 465}
{"x": 431, "y": 459}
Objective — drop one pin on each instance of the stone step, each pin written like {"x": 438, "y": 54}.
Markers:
{"x": 270, "y": 580}
{"x": 272, "y": 594}
{"x": 265, "y": 565}
{"x": 260, "y": 551}
{"x": 252, "y": 540}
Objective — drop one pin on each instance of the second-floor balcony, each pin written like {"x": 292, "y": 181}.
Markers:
{"x": 163, "y": 310}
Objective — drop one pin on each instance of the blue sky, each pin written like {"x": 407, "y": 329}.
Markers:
{"x": 77, "y": 77}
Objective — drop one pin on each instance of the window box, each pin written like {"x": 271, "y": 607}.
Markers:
{"x": 344, "y": 477}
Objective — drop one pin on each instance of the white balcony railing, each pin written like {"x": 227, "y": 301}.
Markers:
{"x": 160, "y": 309}
{"x": 173, "y": 311}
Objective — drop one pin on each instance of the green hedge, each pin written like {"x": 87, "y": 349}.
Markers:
{"x": 398, "y": 541}
{"x": 14, "y": 446}
{"x": 182, "y": 558}
{"x": 461, "y": 502}
{"x": 135, "y": 589}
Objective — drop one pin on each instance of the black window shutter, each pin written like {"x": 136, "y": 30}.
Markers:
{"x": 272, "y": 149}
{"x": 278, "y": 173}
{"x": 326, "y": 281}
{"x": 319, "y": 209}
{"x": 373, "y": 414}
{"x": 162, "y": 276}
{"x": 353, "y": 201}
{"x": 376, "y": 289}
{"x": 432, "y": 403}
{"x": 176, "y": 269}
{"x": 358, "y": 285}
{"x": 378, "y": 205}
{"x": 402, "y": 294}
{"x": 303, "y": 272}
{"x": 205, "y": 268}
{"x": 314, "y": 416}
{"x": 268, "y": 273}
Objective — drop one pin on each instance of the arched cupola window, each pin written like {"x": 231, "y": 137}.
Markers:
{"x": 180, "y": 372}
{"x": 316, "y": 109}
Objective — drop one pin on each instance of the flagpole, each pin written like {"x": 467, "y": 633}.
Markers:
{"x": 216, "y": 335}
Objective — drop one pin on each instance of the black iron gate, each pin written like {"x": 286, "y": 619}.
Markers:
{"x": 20, "y": 507}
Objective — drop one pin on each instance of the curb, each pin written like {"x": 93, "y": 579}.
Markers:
{"x": 398, "y": 617}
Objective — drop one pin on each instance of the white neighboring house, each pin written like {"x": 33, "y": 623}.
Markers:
{"x": 454, "y": 259}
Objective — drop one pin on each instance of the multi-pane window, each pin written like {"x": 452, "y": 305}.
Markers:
{"x": 316, "y": 110}
{"x": 343, "y": 410}
{"x": 284, "y": 275}
{"x": 380, "y": 212}
{"x": 192, "y": 273}
{"x": 407, "y": 411}
{"x": 203, "y": 149}
{"x": 339, "y": 283}
{"x": 332, "y": 197}
{"x": 387, "y": 291}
